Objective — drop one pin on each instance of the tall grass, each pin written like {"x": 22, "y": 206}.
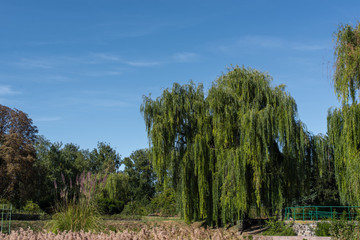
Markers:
{"x": 77, "y": 209}
{"x": 155, "y": 233}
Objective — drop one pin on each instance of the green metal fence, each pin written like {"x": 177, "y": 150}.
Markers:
{"x": 6, "y": 210}
{"x": 321, "y": 212}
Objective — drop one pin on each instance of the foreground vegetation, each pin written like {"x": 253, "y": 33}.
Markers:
{"x": 222, "y": 156}
{"x": 145, "y": 234}
{"x": 121, "y": 227}
{"x": 146, "y": 228}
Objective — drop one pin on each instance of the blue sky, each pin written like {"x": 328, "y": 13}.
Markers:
{"x": 79, "y": 68}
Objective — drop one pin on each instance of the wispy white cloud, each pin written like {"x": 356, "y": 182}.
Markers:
{"x": 34, "y": 63}
{"x": 185, "y": 57}
{"x": 58, "y": 78}
{"x": 54, "y": 42}
{"x": 47, "y": 119}
{"x": 270, "y": 42}
{"x": 106, "y": 56}
{"x": 115, "y": 58}
{"x": 263, "y": 41}
{"x": 310, "y": 47}
{"x": 112, "y": 62}
{"x": 7, "y": 90}
{"x": 103, "y": 73}
{"x": 109, "y": 103}
{"x": 136, "y": 33}
{"x": 139, "y": 63}
{"x": 130, "y": 28}
{"x": 175, "y": 58}
{"x": 96, "y": 99}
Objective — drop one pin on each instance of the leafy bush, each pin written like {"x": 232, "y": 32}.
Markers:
{"x": 339, "y": 228}
{"x": 4, "y": 201}
{"x": 32, "y": 207}
{"x": 164, "y": 203}
{"x": 278, "y": 228}
{"x": 343, "y": 229}
{"x": 135, "y": 209}
{"x": 323, "y": 229}
{"x": 110, "y": 206}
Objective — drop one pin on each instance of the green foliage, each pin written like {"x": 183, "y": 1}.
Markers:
{"x": 134, "y": 209}
{"x": 343, "y": 229}
{"x": 343, "y": 123}
{"x": 344, "y": 133}
{"x": 75, "y": 218}
{"x": 261, "y": 146}
{"x": 117, "y": 187}
{"x": 4, "y": 201}
{"x": 141, "y": 177}
{"x": 77, "y": 209}
{"x": 347, "y": 68}
{"x": 278, "y": 228}
{"x": 323, "y": 229}
{"x": 164, "y": 203}
{"x": 104, "y": 159}
{"x": 55, "y": 160}
{"x": 32, "y": 207}
{"x": 241, "y": 146}
{"x": 319, "y": 175}
{"x": 110, "y": 206}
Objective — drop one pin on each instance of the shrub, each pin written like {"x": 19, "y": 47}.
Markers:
{"x": 278, "y": 228}
{"x": 164, "y": 203}
{"x": 323, "y": 229}
{"x": 4, "y": 201}
{"x": 76, "y": 217}
{"x": 135, "y": 209}
{"x": 32, "y": 207}
{"x": 81, "y": 212}
{"x": 343, "y": 229}
{"x": 110, "y": 206}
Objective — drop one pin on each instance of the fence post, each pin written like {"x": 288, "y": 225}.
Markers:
{"x": 332, "y": 214}
{"x": 10, "y": 217}
{"x": 303, "y": 213}
{"x": 2, "y": 218}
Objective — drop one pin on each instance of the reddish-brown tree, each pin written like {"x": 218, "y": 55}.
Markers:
{"x": 17, "y": 154}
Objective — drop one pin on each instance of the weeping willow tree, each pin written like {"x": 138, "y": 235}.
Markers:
{"x": 261, "y": 148}
{"x": 175, "y": 123}
{"x": 323, "y": 189}
{"x": 344, "y": 122}
{"x": 241, "y": 147}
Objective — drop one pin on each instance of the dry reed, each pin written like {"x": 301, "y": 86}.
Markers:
{"x": 146, "y": 233}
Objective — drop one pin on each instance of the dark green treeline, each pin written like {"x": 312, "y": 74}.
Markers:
{"x": 241, "y": 147}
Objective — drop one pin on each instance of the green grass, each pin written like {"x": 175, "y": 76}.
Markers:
{"x": 161, "y": 219}
{"x": 278, "y": 228}
{"x": 76, "y": 217}
{"x": 36, "y": 226}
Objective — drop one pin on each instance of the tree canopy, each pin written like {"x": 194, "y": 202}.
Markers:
{"x": 141, "y": 177}
{"x": 347, "y": 67}
{"x": 343, "y": 123}
{"x": 17, "y": 154}
{"x": 242, "y": 146}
